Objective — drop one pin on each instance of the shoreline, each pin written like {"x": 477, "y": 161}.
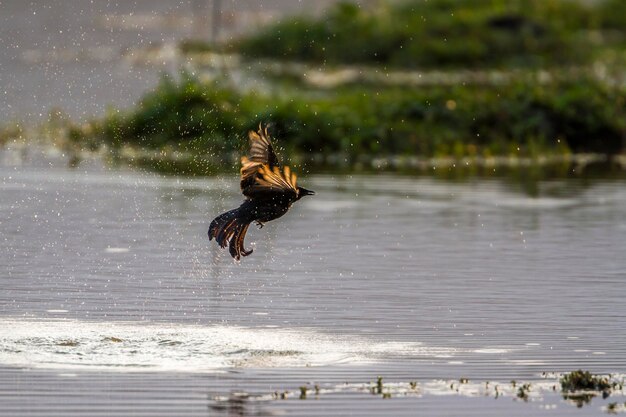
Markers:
{"x": 176, "y": 162}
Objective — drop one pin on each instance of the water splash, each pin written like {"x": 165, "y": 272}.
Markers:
{"x": 139, "y": 346}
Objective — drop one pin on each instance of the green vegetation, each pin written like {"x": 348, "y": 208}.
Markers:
{"x": 194, "y": 46}
{"x": 527, "y": 118}
{"x": 580, "y": 387}
{"x": 548, "y": 102}
{"x": 12, "y": 131}
{"x": 525, "y": 391}
{"x": 585, "y": 381}
{"x": 186, "y": 114}
{"x": 446, "y": 33}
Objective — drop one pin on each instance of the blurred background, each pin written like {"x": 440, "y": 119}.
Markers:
{"x": 79, "y": 55}
{"x": 370, "y": 85}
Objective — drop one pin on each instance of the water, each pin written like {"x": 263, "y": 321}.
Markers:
{"x": 81, "y": 56}
{"x": 112, "y": 300}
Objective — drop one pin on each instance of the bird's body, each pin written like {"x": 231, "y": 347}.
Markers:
{"x": 269, "y": 193}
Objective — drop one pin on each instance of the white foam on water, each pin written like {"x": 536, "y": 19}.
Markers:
{"x": 491, "y": 350}
{"x": 481, "y": 389}
{"x": 139, "y": 346}
{"x": 527, "y": 362}
{"x": 117, "y": 250}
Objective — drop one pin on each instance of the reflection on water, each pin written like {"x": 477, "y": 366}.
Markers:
{"x": 411, "y": 278}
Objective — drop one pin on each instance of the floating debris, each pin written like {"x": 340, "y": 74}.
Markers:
{"x": 585, "y": 381}
{"x": 379, "y": 385}
{"x": 70, "y": 343}
{"x": 523, "y": 391}
{"x": 580, "y": 387}
{"x": 112, "y": 339}
{"x": 535, "y": 391}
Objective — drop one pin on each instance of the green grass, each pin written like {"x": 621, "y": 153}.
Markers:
{"x": 187, "y": 114}
{"x": 526, "y": 119}
{"x": 445, "y": 33}
{"x": 188, "y": 127}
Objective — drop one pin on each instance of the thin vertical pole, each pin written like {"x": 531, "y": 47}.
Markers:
{"x": 216, "y": 20}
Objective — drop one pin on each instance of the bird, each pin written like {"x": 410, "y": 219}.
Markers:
{"x": 269, "y": 192}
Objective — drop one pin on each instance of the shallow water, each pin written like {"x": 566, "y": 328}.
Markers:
{"x": 112, "y": 300}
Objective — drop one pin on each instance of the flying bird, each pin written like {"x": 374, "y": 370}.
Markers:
{"x": 269, "y": 190}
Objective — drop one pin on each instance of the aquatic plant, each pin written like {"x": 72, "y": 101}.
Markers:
{"x": 522, "y": 392}
{"x": 527, "y": 118}
{"x": 190, "y": 127}
{"x": 585, "y": 381}
{"x": 581, "y": 386}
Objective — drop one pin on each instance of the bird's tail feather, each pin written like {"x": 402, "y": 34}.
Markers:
{"x": 230, "y": 229}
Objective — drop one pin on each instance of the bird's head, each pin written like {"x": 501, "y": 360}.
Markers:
{"x": 303, "y": 191}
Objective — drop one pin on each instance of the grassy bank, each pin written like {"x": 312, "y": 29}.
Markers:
{"x": 190, "y": 127}
{"x": 523, "y": 119}
{"x": 463, "y": 113}
{"x": 447, "y": 33}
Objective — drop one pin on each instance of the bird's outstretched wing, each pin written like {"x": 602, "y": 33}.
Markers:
{"x": 261, "y": 149}
{"x": 270, "y": 182}
{"x": 261, "y": 153}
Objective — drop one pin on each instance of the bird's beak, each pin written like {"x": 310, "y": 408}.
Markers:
{"x": 304, "y": 191}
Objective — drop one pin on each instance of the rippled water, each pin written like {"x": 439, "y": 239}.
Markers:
{"x": 112, "y": 300}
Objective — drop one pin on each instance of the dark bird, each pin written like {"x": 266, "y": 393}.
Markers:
{"x": 269, "y": 192}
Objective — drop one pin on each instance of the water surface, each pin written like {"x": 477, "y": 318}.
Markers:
{"x": 113, "y": 300}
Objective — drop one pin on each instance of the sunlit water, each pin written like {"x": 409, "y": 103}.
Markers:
{"x": 112, "y": 299}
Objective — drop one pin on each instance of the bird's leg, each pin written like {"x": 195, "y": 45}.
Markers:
{"x": 259, "y": 224}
